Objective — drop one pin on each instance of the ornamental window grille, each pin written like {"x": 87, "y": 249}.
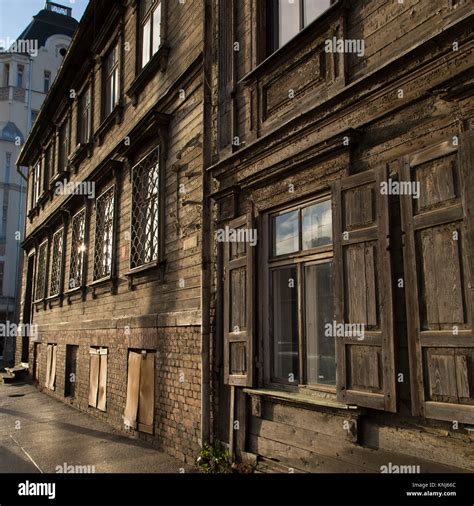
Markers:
{"x": 145, "y": 211}
{"x": 56, "y": 262}
{"x": 104, "y": 229}
{"x": 78, "y": 249}
{"x": 41, "y": 270}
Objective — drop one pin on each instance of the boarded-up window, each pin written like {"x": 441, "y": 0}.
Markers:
{"x": 140, "y": 407}
{"x": 50, "y": 381}
{"x": 363, "y": 292}
{"x": 98, "y": 378}
{"x": 438, "y": 254}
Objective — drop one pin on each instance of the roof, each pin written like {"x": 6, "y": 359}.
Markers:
{"x": 9, "y": 132}
{"x": 47, "y": 23}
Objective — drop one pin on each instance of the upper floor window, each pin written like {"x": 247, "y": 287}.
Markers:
{"x": 36, "y": 183}
{"x": 6, "y": 75}
{"x": 145, "y": 211}
{"x": 111, "y": 80}
{"x": 19, "y": 76}
{"x": 56, "y": 263}
{"x": 46, "y": 81}
{"x": 301, "y": 296}
{"x": 150, "y": 29}
{"x": 63, "y": 146}
{"x": 78, "y": 249}
{"x": 2, "y": 268}
{"x": 34, "y": 115}
{"x": 288, "y": 17}
{"x": 8, "y": 162}
{"x": 104, "y": 230}
{"x": 85, "y": 116}
{"x": 41, "y": 271}
{"x": 48, "y": 163}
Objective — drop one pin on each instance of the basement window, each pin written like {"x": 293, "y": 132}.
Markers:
{"x": 140, "y": 407}
{"x": 98, "y": 378}
{"x": 145, "y": 211}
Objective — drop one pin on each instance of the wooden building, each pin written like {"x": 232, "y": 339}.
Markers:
{"x": 112, "y": 259}
{"x": 269, "y": 239}
{"x": 343, "y": 140}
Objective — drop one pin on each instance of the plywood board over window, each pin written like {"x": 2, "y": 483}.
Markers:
{"x": 51, "y": 366}
{"x": 438, "y": 247}
{"x": 98, "y": 378}
{"x": 140, "y": 406}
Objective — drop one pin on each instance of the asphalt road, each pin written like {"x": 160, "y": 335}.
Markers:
{"x": 39, "y": 433}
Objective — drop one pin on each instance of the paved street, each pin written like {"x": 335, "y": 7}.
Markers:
{"x": 38, "y": 433}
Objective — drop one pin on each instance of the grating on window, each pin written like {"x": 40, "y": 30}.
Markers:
{"x": 78, "y": 248}
{"x": 145, "y": 211}
{"x": 41, "y": 271}
{"x": 56, "y": 261}
{"x": 104, "y": 235}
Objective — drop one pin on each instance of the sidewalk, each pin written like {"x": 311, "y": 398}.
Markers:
{"x": 38, "y": 434}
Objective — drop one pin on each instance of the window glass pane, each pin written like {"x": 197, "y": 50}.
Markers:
{"x": 286, "y": 233}
{"x": 320, "y": 348}
{"x": 288, "y": 20}
{"x": 314, "y": 8}
{"x": 146, "y": 42}
{"x": 156, "y": 28}
{"x": 285, "y": 324}
{"x": 317, "y": 225}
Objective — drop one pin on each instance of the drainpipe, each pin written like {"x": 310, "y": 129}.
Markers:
{"x": 206, "y": 229}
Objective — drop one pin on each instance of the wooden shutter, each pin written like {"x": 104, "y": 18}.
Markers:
{"x": 365, "y": 365}
{"x": 438, "y": 256}
{"x": 133, "y": 385}
{"x": 146, "y": 402}
{"x": 52, "y": 377}
{"x": 238, "y": 307}
{"x": 94, "y": 376}
{"x": 49, "y": 354}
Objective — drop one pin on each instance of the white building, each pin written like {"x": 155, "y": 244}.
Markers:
{"x": 27, "y": 70}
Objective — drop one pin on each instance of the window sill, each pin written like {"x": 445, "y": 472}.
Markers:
{"x": 81, "y": 290}
{"x": 159, "y": 61}
{"x": 298, "y": 398}
{"x": 54, "y": 298}
{"x": 143, "y": 270}
{"x": 82, "y": 150}
{"x": 114, "y": 118}
{"x": 110, "y": 280}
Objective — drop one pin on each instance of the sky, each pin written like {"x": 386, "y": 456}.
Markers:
{"x": 16, "y": 15}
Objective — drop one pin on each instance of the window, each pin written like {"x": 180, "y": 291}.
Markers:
{"x": 36, "y": 183}
{"x": 85, "y": 116}
{"x": 98, "y": 378}
{"x": 104, "y": 228}
{"x": 19, "y": 76}
{"x": 41, "y": 271}
{"x": 140, "y": 404}
{"x": 34, "y": 115}
{"x": 48, "y": 162}
{"x": 71, "y": 371}
{"x": 6, "y": 75}
{"x": 288, "y": 17}
{"x": 2, "y": 270}
{"x": 46, "y": 81}
{"x": 78, "y": 249}
{"x": 51, "y": 353}
{"x": 301, "y": 295}
{"x": 150, "y": 29}
{"x": 112, "y": 81}
{"x": 145, "y": 211}
{"x": 8, "y": 163}
{"x": 63, "y": 146}
{"x": 56, "y": 263}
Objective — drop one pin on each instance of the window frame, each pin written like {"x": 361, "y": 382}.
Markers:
{"x": 142, "y": 21}
{"x": 45, "y": 271}
{"x": 46, "y": 79}
{"x": 299, "y": 260}
{"x": 60, "y": 260}
{"x": 82, "y": 278}
{"x": 64, "y": 146}
{"x": 20, "y": 71}
{"x": 116, "y": 68}
{"x": 159, "y": 205}
{"x": 111, "y": 187}
{"x": 84, "y": 127}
